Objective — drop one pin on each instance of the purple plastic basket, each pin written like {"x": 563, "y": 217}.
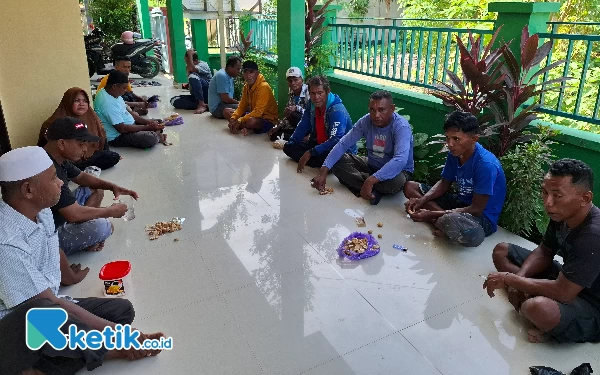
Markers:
{"x": 176, "y": 121}
{"x": 368, "y": 253}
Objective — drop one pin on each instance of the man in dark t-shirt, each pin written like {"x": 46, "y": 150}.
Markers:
{"x": 80, "y": 221}
{"x": 561, "y": 301}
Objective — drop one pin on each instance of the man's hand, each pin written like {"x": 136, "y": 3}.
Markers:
{"x": 118, "y": 210}
{"x": 516, "y": 298}
{"x": 288, "y": 110}
{"x": 413, "y": 205}
{"x": 423, "y": 215}
{"x": 303, "y": 160}
{"x": 234, "y": 126}
{"x": 273, "y": 130}
{"x": 320, "y": 180}
{"x": 118, "y": 191}
{"x": 78, "y": 273}
{"x": 366, "y": 192}
{"x": 155, "y": 126}
{"x": 495, "y": 280}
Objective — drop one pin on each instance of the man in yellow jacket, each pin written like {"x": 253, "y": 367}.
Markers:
{"x": 257, "y": 111}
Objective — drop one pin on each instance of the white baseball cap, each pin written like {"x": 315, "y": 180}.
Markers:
{"x": 293, "y": 72}
{"x": 22, "y": 163}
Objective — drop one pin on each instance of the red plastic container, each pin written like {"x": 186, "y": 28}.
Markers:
{"x": 115, "y": 277}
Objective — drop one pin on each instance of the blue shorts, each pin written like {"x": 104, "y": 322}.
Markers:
{"x": 267, "y": 125}
{"x": 74, "y": 237}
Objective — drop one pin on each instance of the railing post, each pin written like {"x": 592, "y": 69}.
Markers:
{"x": 177, "y": 39}
{"x": 200, "y": 38}
{"x": 514, "y": 16}
{"x": 290, "y": 43}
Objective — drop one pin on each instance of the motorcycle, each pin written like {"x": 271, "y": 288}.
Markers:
{"x": 95, "y": 50}
{"x": 146, "y": 66}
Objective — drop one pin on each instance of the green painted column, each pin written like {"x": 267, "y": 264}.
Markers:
{"x": 177, "y": 40}
{"x": 290, "y": 43}
{"x": 514, "y": 16}
{"x": 144, "y": 18}
{"x": 200, "y": 39}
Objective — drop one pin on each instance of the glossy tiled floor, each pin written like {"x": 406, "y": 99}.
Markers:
{"x": 254, "y": 285}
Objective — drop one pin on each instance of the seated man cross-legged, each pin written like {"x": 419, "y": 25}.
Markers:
{"x": 124, "y": 128}
{"x": 221, "y": 103}
{"x": 472, "y": 214}
{"x": 562, "y": 302}
{"x": 199, "y": 77}
{"x": 325, "y": 121}
{"x": 30, "y": 276}
{"x": 389, "y": 143}
{"x": 298, "y": 100}
{"x": 257, "y": 111}
{"x": 80, "y": 221}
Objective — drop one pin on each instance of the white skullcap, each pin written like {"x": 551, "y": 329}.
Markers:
{"x": 22, "y": 163}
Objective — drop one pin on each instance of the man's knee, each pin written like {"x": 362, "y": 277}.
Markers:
{"x": 99, "y": 193}
{"x": 542, "y": 312}
{"x": 103, "y": 229}
{"x": 461, "y": 228}
{"x": 412, "y": 189}
{"x": 500, "y": 251}
{"x": 124, "y": 311}
{"x": 147, "y": 140}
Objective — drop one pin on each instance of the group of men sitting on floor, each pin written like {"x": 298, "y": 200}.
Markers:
{"x": 45, "y": 219}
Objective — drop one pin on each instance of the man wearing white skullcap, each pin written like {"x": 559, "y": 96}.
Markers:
{"x": 30, "y": 273}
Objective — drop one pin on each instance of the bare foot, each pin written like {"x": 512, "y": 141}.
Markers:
{"x": 97, "y": 247}
{"x": 163, "y": 140}
{"x": 439, "y": 233}
{"x": 246, "y": 131}
{"x": 537, "y": 336}
{"x": 201, "y": 109}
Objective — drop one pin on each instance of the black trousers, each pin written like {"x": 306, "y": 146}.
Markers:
{"x": 102, "y": 159}
{"x": 296, "y": 150}
{"x": 16, "y": 357}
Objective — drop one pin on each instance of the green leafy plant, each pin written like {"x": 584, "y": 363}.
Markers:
{"x": 421, "y": 150}
{"x": 524, "y": 167}
{"x": 114, "y": 17}
{"x": 313, "y": 34}
{"x": 496, "y": 81}
{"x": 321, "y": 56}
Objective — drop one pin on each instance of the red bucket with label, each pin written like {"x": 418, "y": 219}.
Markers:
{"x": 115, "y": 277}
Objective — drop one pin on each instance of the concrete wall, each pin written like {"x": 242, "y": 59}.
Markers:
{"x": 41, "y": 55}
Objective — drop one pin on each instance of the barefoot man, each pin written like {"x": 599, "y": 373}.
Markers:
{"x": 472, "y": 214}
{"x": 80, "y": 221}
{"x": 30, "y": 275}
{"x": 560, "y": 301}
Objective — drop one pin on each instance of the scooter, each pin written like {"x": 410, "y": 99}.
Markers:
{"x": 146, "y": 66}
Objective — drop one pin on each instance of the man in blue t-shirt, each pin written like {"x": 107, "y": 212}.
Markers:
{"x": 389, "y": 162}
{"x": 472, "y": 214}
{"x": 221, "y": 103}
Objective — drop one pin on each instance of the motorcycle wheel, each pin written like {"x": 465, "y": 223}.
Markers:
{"x": 153, "y": 67}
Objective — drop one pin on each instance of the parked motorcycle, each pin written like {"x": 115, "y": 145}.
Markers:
{"x": 146, "y": 66}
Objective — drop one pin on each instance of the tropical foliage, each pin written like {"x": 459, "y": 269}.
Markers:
{"x": 114, "y": 17}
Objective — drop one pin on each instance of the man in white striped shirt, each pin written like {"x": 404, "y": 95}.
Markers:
{"x": 30, "y": 273}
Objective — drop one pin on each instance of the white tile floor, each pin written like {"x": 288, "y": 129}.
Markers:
{"x": 254, "y": 285}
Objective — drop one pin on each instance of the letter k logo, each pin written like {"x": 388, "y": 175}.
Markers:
{"x": 43, "y": 326}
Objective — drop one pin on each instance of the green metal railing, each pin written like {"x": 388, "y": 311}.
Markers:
{"x": 418, "y": 56}
{"x": 264, "y": 35}
{"x": 580, "y": 98}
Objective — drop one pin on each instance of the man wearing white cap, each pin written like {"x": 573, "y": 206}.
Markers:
{"x": 80, "y": 221}
{"x": 30, "y": 273}
{"x": 297, "y": 102}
